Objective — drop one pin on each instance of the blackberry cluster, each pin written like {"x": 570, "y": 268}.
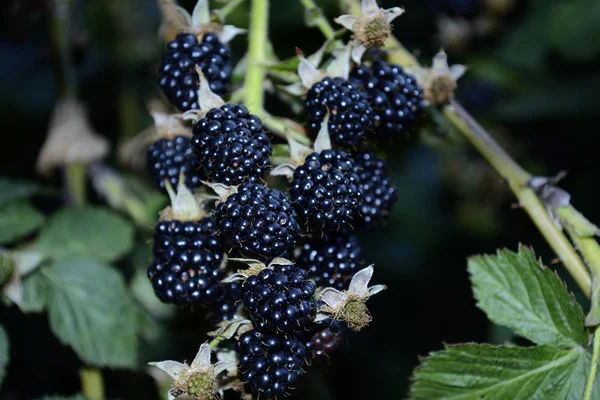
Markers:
{"x": 187, "y": 257}
{"x": 177, "y": 73}
{"x": 231, "y": 145}
{"x": 331, "y": 260}
{"x": 268, "y": 364}
{"x": 350, "y": 113}
{"x": 229, "y": 302}
{"x": 280, "y": 300}
{"x": 167, "y": 158}
{"x": 396, "y": 97}
{"x": 326, "y": 191}
{"x": 327, "y": 338}
{"x": 258, "y": 221}
{"x": 379, "y": 194}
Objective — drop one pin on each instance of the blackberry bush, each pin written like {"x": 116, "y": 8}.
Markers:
{"x": 231, "y": 145}
{"x": 331, "y": 260}
{"x": 326, "y": 191}
{"x": 350, "y": 113}
{"x": 280, "y": 300}
{"x": 258, "y": 221}
{"x": 167, "y": 158}
{"x": 379, "y": 194}
{"x": 177, "y": 72}
{"x": 396, "y": 97}
{"x": 270, "y": 365}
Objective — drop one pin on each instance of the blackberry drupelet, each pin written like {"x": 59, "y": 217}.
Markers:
{"x": 331, "y": 260}
{"x": 167, "y": 158}
{"x": 350, "y": 113}
{"x": 268, "y": 364}
{"x": 379, "y": 194}
{"x": 258, "y": 221}
{"x": 326, "y": 191}
{"x": 396, "y": 97}
{"x": 177, "y": 72}
{"x": 280, "y": 300}
{"x": 327, "y": 337}
{"x": 187, "y": 256}
{"x": 231, "y": 145}
{"x": 229, "y": 302}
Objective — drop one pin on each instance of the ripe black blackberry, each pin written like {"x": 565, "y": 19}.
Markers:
{"x": 331, "y": 260}
{"x": 326, "y": 191}
{"x": 350, "y": 113}
{"x": 258, "y": 221}
{"x": 187, "y": 256}
{"x": 177, "y": 72}
{"x": 231, "y": 145}
{"x": 167, "y": 158}
{"x": 280, "y": 300}
{"x": 327, "y": 337}
{"x": 379, "y": 194}
{"x": 268, "y": 364}
{"x": 229, "y": 302}
{"x": 396, "y": 97}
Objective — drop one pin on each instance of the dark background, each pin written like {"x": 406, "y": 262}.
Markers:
{"x": 534, "y": 82}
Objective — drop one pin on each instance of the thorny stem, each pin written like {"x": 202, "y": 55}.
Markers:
{"x": 589, "y": 388}
{"x": 92, "y": 384}
{"x": 320, "y": 21}
{"x": 257, "y": 46}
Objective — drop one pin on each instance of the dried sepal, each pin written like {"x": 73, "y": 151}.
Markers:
{"x": 70, "y": 139}
{"x": 223, "y": 191}
{"x": 349, "y": 305}
{"x": 373, "y": 27}
{"x": 438, "y": 81}
{"x": 308, "y": 72}
{"x": 228, "y": 32}
{"x": 184, "y": 206}
{"x": 454, "y": 34}
{"x": 298, "y": 153}
{"x": 207, "y": 99}
{"x": 232, "y": 328}
{"x": 323, "y": 140}
{"x": 340, "y": 66}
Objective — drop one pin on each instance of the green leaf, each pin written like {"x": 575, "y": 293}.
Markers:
{"x": 35, "y": 293}
{"x": 486, "y": 372}
{"x": 87, "y": 231}
{"x": 517, "y": 291}
{"x": 573, "y": 29}
{"x": 4, "y": 355}
{"x": 89, "y": 309}
{"x": 17, "y": 220}
{"x": 11, "y": 190}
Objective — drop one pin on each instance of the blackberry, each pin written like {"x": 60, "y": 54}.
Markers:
{"x": 177, "y": 72}
{"x": 379, "y": 194}
{"x": 280, "y": 300}
{"x": 258, "y": 221}
{"x": 331, "y": 260}
{"x": 228, "y": 304}
{"x": 231, "y": 145}
{"x": 187, "y": 256}
{"x": 326, "y": 338}
{"x": 326, "y": 191}
{"x": 268, "y": 364}
{"x": 167, "y": 158}
{"x": 350, "y": 113}
{"x": 396, "y": 97}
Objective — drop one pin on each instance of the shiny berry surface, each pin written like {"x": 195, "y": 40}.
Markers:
{"x": 350, "y": 113}
{"x": 280, "y": 300}
{"x": 326, "y": 191}
{"x": 231, "y": 146}
{"x": 259, "y": 222}
{"x": 167, "y": 158}
{"x": 228, "y": 304}
{"x": 327, "y": 338}
{"x": 177, "y": 75}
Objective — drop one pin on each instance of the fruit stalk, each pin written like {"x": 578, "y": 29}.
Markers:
{"x": 257, "y": 41}
{"x": 228, "y": 8}
{"x": 319, "y": 21}
{"x": 589, "y": 387}
{"x": 91, "y": 384}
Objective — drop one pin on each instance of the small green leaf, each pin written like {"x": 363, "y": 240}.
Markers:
{"x": 35, "y": 293}
{"x": 89, "y": 309}
{"x": 4, "y": 355}
{"x": 11, "y": 190}
{"x": 476, "y": 372}
{"x": 517, "y": 291}
{"x": 94, "y": 232}
{"x": 17, "y": 220}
